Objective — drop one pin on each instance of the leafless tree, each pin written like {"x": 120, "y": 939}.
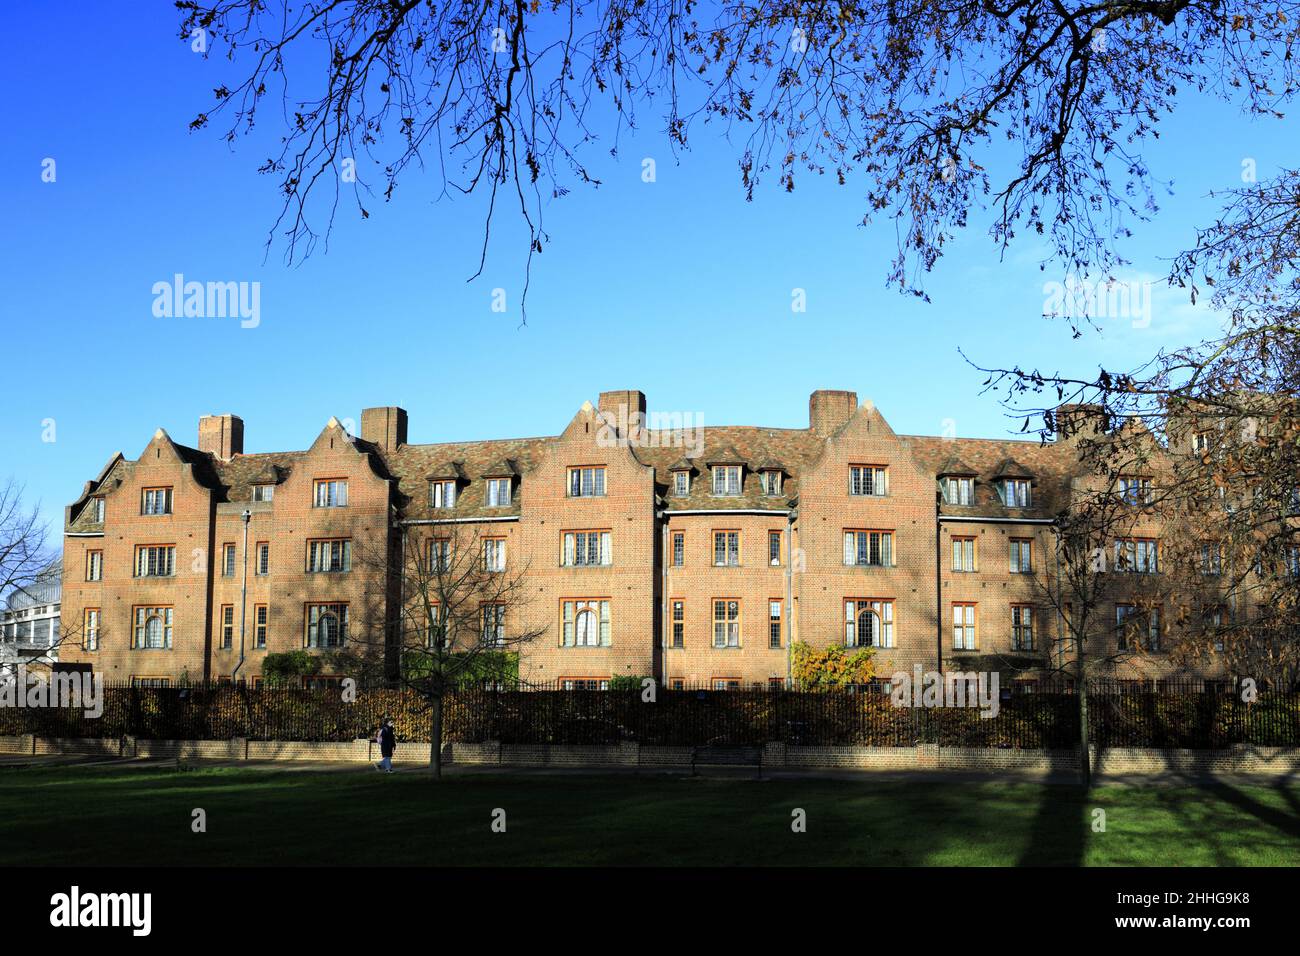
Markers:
{"x": 23, "y": 554}
{"x": 454, "y": 616}
{"x": 913, "y": 100}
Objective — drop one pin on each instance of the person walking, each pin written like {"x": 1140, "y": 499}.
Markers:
{"x": 387, "y": 739}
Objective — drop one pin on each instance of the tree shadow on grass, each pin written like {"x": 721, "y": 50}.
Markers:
{"x": 1058, "y": 834}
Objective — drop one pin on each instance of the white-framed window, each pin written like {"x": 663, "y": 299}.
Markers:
{"x": 261, "y": 615}
{"x": 582, "y": 548}
{"x": 1016, "y": 492}
{"x": 1022, "y": 555}
{"x": 871, "y": 480}
{"x": 494, "y": 625}
{"x": 1022, "y": 627}
{"x": 726, "y": 622}
{"x": 91, "y": 637}
{"x": 156, "y": 501}
{"x": 587, "y": 481}
{"x": 679, "y": 623}
{"x": 963, "y": 554}
{"x": 868, "y": 622}
{"x": 1201, "y": 442}
{"x": 440, "y": 555}
{"x": 774, "y": 626}
{"x": 153, "y": 628}
{"x": 263, "y": 492}
{"x": 498, "y": 492}
{"x": 726, "y": 480}
{"x": 226, "y": 639}
{"x": 771, "y": 482}
{"x": 155, "y": 561}
{"x": 1132, "y": 625}
{"x": 959, "y": 491}
{"x": 442, "y": 494}
{"x": 726, "y": 549}
{"x": 329, "y": 555}
{"x": 679, "y": 549}
{"x": 585, "y": 623}
{"x": 1137, "y": 555}
{"x": 585, "y": 683}
{"x": 327, "y": 625}
{"x": 228, "y": 560}
{"x": 1134, "y": 491}
{"x": 774, "y": 548}
{"x": 262, "y": 558}
{"x": 869, "y": 548}
{"x": 681, "y": 483}
{"x": 963, "y": 626}
{"x": 331, "y": 493}
{"x": 94, "y": 565}
{"x": 97, "y": 510}
{"x": 494, "y": 554}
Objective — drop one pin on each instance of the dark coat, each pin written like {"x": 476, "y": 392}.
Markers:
{"x": 387, "y": 741}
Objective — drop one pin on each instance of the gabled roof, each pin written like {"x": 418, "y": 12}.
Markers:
{"x": 502, "y": 468}
{"x": 448, "y": 470}
{"x": 954, "y": 466}
{"x": 725, "y": 455}
{"x": 1010, "y": 468}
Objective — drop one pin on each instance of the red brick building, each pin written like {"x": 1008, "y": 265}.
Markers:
{"x": 692, "y": 556}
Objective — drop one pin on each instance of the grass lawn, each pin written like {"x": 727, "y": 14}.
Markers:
{"x": 125, "y": 815}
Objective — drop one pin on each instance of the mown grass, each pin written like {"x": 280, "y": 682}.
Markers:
{"x": 132, "y": 815}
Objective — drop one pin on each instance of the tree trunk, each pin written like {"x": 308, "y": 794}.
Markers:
{"x": 435, "y": 736}
{"x": 1085, "y": 758}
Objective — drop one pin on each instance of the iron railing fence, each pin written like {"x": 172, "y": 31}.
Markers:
{"x": 1179, "y": 715}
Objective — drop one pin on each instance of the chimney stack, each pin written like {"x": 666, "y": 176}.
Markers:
{"x": 828, "y": 409}
{"x": 385, "y": 426}
{"x": 222, "y": 435}
{"x": 1078, "y": 419}
{"x": 624, "y": 409}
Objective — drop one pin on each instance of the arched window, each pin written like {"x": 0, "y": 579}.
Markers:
{"x": 588, "y": 636}
{"x": 153, "y": 631}
{"x": 868, "y": 629}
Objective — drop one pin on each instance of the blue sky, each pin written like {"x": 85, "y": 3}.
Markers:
{"x": 679, "y": 288}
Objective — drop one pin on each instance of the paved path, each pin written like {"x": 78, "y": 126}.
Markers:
{"x": 1163, "y": 778}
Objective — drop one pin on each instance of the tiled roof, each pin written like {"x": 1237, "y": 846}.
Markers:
{"x": 986, "y": 457}
{"x": 792, "y": 450}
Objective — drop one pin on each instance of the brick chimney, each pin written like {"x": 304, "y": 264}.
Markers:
{"x": 222, "y": 435}
{"x": 1078, "y": 420}
{"x": 385, "y": 426}
{"x": 828, "y": 409}
{"x": 624, "y": 409}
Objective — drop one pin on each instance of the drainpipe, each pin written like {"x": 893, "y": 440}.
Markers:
{"x": 938, "y": 584}
{"x": 243, "y": 599}
{"x": 664, "y": 623}
{"x": 789, "y": 601}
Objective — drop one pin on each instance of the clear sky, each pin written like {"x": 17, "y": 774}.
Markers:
{"x": 678, "y": 287}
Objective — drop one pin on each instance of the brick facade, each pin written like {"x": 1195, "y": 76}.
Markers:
{"x": 743, "y": 597}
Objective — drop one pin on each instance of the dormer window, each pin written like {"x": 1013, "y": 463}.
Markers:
{"x": 1201, "y": 442}
{"x": 156, "y": 501}
{"x": 442, "y": 494}
{"x": 771, "y": 482}
{"x": 97, "y": 510}
{"x": 498, "y": 492}
{"x": 586, "y": 482}
{"x": 263, "y": 492}
{"x": 1016, "y": 492}
{"x": 959, "y": 491}
{"x": 726, "y": 480}
{"x": 681, "y": 483}
{"x": 1135, "y": 491}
